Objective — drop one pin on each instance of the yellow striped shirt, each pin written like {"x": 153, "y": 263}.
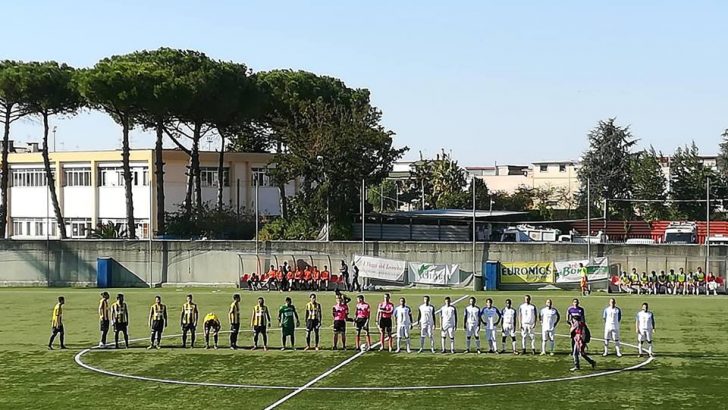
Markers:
{"x": 313, "y": 310}
{"x": 57, "y": 318}
{"x": 261, "y": 316}
{"x": 158, "y": 312}
{"x": 104, "y": 309}
{"x": 189, "y": 313}
{"x": 120, "y": 312}
{"x": 234, "y": 314}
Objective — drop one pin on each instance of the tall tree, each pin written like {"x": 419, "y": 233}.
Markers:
{"x": 51, "y": 89}
{"x": 440, "y": 182}
{"x": 11, "y": 94}
{"x": 649, "y": 183}
{"x": 722, "y": 160}
{"x": 112, "y": 86}
{"x": 607, "y": 164}
{"x": 688, "y": 183}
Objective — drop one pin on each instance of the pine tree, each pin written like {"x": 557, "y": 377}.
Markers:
{"x": 649, "y": 183}
{"x": 688, "y": 181}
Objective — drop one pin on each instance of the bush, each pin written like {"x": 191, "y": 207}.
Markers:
{"x": 211, "y": 223}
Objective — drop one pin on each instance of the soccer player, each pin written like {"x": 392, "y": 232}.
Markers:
{"x": 490, "y": 316}
{"x": 612, "y": 316}
{"x": 672, "y": 282}
{"x": 363, "y": 313}
{"x": 549, "y": 318}
{"x": 575, "y": 310}
{"x": 104, "y": 317}
{"x": 579, "y": 339}
{"x": 313, "y": 321}
{"x": 355, "y": 285}
{"x": 157, "y": 322}
{"x": 508, "y": 326}
{"x": 324, "y": 282}
{"x": 120, "y": 320}
{"x": 699, "y": 280}
{"x": 661, "y": 283}
{"x": 645, "y": 326}
{"x": 259, "y": 322}
{"x": 426, "y": 319}
{"x": 188, "y": 321}
{"x": 471, "y": 323}
{"x": 652, "y": 283}
{"x": 272, "y": 274}
{"x": 681, "y": 281}
{"x": 527, "y": 315}
{"x": 234, "y": 318}
{"x": 711, "y": 285}
{"x": 584, "y": 280}
{"x": 281, "y": 280}
{"x": 308, "y": 278}
{"x": 403, "y": 315}
{"x": 298, "y": 279}
{"x": 448, "y": 324}
{"x": 286, "y": 314}
{"x": 340, "y": 312}
{"x": 57, "y": 324}
{"x": 384, "y": 320}
{"x": 211, "y": 324}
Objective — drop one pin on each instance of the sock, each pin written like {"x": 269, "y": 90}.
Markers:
{"x": 422, "y": 342}
{"x": 443, "y": 344}
{"x": 126, "y": 339}
{"x": 159, "y": 338}
{"x": 308, "y": 339}
{"x": 398, "y": 340}
{"x": 504, "y": 342}
{"x": 553, "y": 344}
{"x": 116, "y": 339}
{"x": 255, "y": 339}
{"x": 152, "y": 337}
{"x": 467, "y": 343}
{"x": 265, "y": 339}
{"x": 452, "y": 344}
{"x": 477, "y": 343}
{"x": 184, "y": 338}
{"x": 523, "y": 343}
{"x": 617, "y": 347}
{"x": 317, "y": 337}
{"x": 649, "y": 346}
{"x": 192, "y": 338}
{"x": 543, "y": 345}
{"x": 358, "y": 341}
{"x": 407, "y": 341}
{"x": 293, "y": 341}
{"x": 639, "y": 348}
{"x": 63, "y": 344}
{"x": 207, "y": 339}
{"x": 432, "y": 342}
{"x": 513, "y": 342}
{"x": 533, "y": 343}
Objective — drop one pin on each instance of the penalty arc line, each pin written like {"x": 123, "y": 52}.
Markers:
{"x": 329, "y": 372}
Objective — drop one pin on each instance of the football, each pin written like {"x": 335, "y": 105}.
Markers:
{"x": 363, "y": 347}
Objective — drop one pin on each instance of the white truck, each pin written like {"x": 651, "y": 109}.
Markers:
{"x": 528, "y": 233}
{"x": 681, "y": 233}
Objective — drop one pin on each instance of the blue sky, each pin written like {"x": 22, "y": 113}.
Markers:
{"x": 505, "y": 82}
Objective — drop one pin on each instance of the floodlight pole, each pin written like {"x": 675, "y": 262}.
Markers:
{"x": 588, "y": 220}
{"x": 707, "y": 225}
{"x": 257, "y": 262}
{"x": 473, "y": 182}
{"x": 363, "y": 236}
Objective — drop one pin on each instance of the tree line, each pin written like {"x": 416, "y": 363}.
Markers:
{"x": 322, "y": 132}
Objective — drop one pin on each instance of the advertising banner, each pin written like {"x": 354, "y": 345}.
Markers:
{"x": 568, "y": 271}
{"x": 379, "y": 268}
{"x": 432, "y": 274}
{"x": 526, "y": 272}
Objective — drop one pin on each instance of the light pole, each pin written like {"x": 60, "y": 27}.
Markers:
{"x": 54, "y": 138}
{"x": 257, "y": 263}
{"x": 588, "y": 220}
{"x": 363, "y": 227}
{"x": 326, "y": 177}
{"x": 473, "y": 182}
{"x": 707, "y": 225}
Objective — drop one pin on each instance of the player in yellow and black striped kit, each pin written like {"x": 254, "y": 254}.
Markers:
{"x": 234, "y": 317}
{"x": 211, "y": 324}
{"x": 188, "y": 321}
{"x": 157, "y": 322}
{"x": 57, "y": 324}
{"x": 120, "y": 320}
{"x": 259, "y": 322}
{"x": 104, "y": 317}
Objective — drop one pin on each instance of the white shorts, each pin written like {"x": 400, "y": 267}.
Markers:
{"x": 403, "y": 331}
{"x": 490, "y": 334}
{"x": 448, "y": 332}
{"x": 426, "y": 329}
{"x": 712, "y": 285}
{"x": 644, "y": 335}
{"x": 547, "y": 334}
{"x": 509, "y": 331}
{"x": 611, "y": 334}
{"x": 472, "y": 330}
{"x": 527, "y": 330}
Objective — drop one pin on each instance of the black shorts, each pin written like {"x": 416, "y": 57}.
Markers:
{"x": 362, "y": 323}
{"x": 214, "y": 327}
{"x": 312, "y": 324}
{"x": 259, "y": 329}
{"x": 57, "y": 329}
{"x": 385, "y": 324}
{"x": 189, "y": 327}
{"x": 339, "y": 326}
{"x": 120, "y": 326}
{"x": 104, "y": 325}
{"x": 158, "y": 325}
{"x": 235, "y": 327}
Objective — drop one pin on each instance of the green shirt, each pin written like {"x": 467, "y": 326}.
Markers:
{"x": 700, "y": 276}
{"x": 681, "y": 277}
{"x": 287, "y": 316}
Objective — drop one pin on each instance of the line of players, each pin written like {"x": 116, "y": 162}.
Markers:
{"x": 508, "y": 319}
{"x": 685, "y": 283}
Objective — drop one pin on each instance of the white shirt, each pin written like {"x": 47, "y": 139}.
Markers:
{"x": 447, "y": 314}
{"x": 612, "y": 316}
{"x": 548, "y": 318}
{"x": 402, "y": 315}
{"x": 427, "y": 315}
{"x": 472, "y": 315}
{"x": 489, "y": 316}
{"x": 645, "y": 320}
{"x": 527, "y": 312}
{"x": 509, "y": 317}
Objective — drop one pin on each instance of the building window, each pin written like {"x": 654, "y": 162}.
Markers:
{"x": 39, "y": 228}
{"x": 17, "y": 227}
{"x": 28, "y": 177}
{"x": 261, "y": 176}
{"x": 562, "y": 167}
{"x": 77, "y": 177}
{"x": 78, "y": 228}
{"x": 115, "y": 176}
{"x": 543, "y": 168}
{"x": 208, "y": 177}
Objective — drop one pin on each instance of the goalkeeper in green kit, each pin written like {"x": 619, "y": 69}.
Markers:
{"x": 288, "y": 321}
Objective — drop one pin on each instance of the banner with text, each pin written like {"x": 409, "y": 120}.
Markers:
{"x": 428, "y": 273}
{"x": 568, "y": 271}
{"x": 379, "y": 268}
{"x": 526, "y": 272}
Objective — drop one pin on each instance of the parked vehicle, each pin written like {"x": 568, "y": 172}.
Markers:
{"x": 681, "y": 233}
{"x": 718, "y": 240}
{"x": 640, "y": 241}
{"x": 528, "y": 233}
{"x": 574, "y": 238}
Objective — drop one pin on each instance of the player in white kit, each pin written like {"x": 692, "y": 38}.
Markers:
{"x": 527, "y": 319}
{"x": 426, "y": 320}
{"x": 612, "y": 317}
{"x": 549, "y": 318}
{"x": 403, "y": 316}
{"x": 448, "y": 324}
{"x": 508, "y": 326}
{"x": 490, "y": 316}
{"x": 645, "y": 325}
{"x": 472, "y": 325}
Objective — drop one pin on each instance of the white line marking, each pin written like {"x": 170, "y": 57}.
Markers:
{"x": 328, "y": 372}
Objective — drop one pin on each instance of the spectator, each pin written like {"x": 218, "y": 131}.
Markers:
{"x": 325, "y": 276}
{"x": 344, "y": 270}
{"x": 253, "y": 282}
{"x": 711, "y": 284}
{"x": 355, "y": 286}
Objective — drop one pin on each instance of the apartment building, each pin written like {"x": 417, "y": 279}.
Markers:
{"x": 90, "y": 188}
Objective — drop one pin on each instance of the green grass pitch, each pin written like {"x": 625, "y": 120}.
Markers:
{"x": 689, "y": 369}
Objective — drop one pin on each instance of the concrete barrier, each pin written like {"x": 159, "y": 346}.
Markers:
{"x": 73, "y": 262}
